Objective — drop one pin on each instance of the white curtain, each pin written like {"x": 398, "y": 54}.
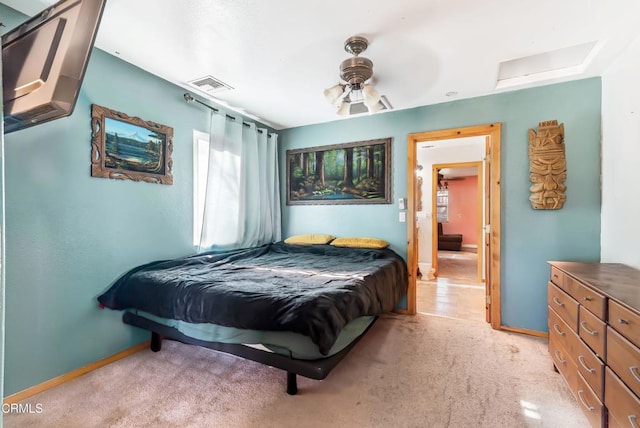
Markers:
{"x": 242, "y": 196}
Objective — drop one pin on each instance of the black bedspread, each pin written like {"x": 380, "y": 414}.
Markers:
{"x": 313, "y": 290}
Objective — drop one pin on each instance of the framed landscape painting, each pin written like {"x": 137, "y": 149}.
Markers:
{"x": 349, "y": 173}
{"x": 129, "y": 148}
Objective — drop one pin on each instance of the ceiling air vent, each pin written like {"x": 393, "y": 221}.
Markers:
{"x": 209, "y": 84}
{"x": 358, "y": 107}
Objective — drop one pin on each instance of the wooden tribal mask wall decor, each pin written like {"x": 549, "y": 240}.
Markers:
{"x": 547, "y": 166}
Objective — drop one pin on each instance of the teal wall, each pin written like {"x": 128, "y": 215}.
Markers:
{"x": 529, "y": 238}
{"x": 69, "y": 235}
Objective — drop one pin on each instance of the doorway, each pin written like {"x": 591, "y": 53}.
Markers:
{"x": 425, "y": 225}
{"x": 454, "y": 287}
{"x": 458, "y": 216}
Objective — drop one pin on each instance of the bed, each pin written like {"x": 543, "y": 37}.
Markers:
{"x": 300, "y": 308}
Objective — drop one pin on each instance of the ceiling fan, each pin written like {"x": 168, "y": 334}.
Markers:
{"x": 354, "y": 90}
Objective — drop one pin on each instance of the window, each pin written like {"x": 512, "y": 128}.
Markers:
{"x": 442, "y": 205}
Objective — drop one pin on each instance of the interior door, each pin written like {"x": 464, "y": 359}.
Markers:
{"x": 486, "y": 233}
{"x": 434, "y": 219}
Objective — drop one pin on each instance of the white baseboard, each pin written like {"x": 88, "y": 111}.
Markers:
{"x": 472, "y": 248}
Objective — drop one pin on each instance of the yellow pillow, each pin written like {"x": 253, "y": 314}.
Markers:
{"x": 357, "y": 242}
{"x": 309, "y": 239}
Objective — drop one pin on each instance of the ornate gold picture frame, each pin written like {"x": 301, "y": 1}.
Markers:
{"x": 129, "y": 148}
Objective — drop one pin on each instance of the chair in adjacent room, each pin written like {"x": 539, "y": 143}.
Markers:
{"x": 449, "y": 241}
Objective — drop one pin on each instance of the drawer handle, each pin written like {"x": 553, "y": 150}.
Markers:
{"x": 634, "y": 371}
{"x": 557, "y": 352}
{"x": 588, "y": 298}
{"x": 622, "y": 321}
{"x": 557, "y": 302}
{"x": 591, "y": 332}
{"x": 584, "y": 403}
{"x": 632, "y": 421}
{"x": 583, "y": 364}
{"x": 555, "y": 327}
{"x": 555, "y": 275}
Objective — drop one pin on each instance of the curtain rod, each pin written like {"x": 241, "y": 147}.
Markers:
{"x": 189, "y": 99}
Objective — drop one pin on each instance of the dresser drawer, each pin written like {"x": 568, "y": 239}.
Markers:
{"x": 564, "y": 306}
{"x": 624, "y": 358}
{"x": 622, "y": 405}
{"x": 625, "y": 322}
{"x": 590, "y": 299}
{"x": 612, "y": 423}
{"x": 563, "y": 335}
{"x": 589, "y": 403}
{"x": 557, "y": 277}
{"x": 590, "y": 367}
{"x": 592, "y": 331}
{"x": 570, "y": 285}
{"x": 563, "y": 363}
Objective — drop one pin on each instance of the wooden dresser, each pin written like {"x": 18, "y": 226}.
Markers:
{"x": 594, "y": 338}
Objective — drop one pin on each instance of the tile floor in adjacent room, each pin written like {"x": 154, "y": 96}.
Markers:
{"x": 456, "y": 292}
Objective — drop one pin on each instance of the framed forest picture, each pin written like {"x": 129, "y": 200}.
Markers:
{"x": 129, "y": 148}
{"x": 349, "y": 173}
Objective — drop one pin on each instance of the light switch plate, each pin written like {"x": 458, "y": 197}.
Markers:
{"x": 402, "y": 217}
{"x": 402, "y": 204}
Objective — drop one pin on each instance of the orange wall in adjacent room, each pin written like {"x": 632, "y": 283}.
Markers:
{"x": 463, "y": 209}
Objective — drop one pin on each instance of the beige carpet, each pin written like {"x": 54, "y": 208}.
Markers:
{"x": 409, "y": 371}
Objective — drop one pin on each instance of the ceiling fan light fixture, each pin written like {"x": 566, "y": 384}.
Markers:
{"x": 333, "y": 93}
{"x": 355, "y": 95}
{"x": 345, "y": 108}
{"x": 375, "y": 107}
{"x": 355, "y": 72}
{"x": 371, "y": 96}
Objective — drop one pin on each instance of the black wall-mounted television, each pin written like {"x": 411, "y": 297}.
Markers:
{"x": 44, "y": 61}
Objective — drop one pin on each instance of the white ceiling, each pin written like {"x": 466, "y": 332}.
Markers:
{"x": 280, "y": 55}
{"x": 457, "y": 172}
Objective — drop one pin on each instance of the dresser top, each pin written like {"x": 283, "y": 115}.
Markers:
{"x": 615, "y": 280}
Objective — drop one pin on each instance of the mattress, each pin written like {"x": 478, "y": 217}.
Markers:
{"x": 287, "y": 343}
{"x": 312, "y": 290}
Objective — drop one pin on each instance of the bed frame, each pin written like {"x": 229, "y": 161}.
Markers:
{"x": 313, "y": 369}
